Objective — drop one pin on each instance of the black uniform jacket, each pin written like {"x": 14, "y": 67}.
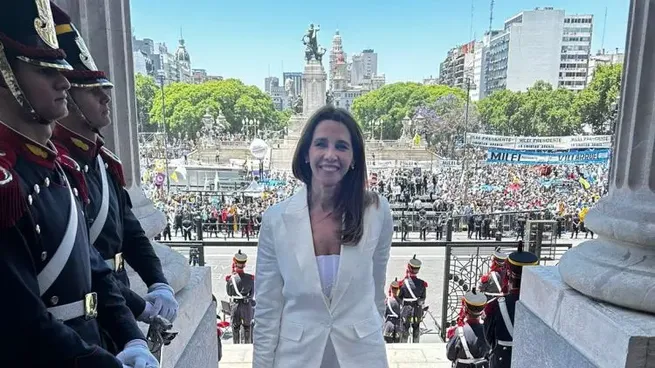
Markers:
{"x": 393, "y": 306}
{"x": 418, "y": 286}
{"x": 122, "y": 232}
{"x": 36, "y": 203}
{"x": 474, "y": 335}
{"x": 245, "y": 283}
{"x": 495, "y": 330}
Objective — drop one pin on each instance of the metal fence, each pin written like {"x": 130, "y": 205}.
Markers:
{"x": 466, "y": 263}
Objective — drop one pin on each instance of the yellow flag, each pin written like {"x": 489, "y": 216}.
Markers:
{"x": 174, "y": 176}
{"x": 417, "y": 139}
{"x": 585, "y": 184}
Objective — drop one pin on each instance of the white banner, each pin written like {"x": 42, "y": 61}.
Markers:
{"x": 539, "y": 143}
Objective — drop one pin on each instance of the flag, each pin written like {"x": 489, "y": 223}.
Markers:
{"x": 417, "y": 139}
{"x": 585, "y": 184}
{"x": 174, "y": 176}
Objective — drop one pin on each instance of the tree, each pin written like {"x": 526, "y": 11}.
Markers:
{"x": 594, "y": 105}
{"x": 540, "y": 111}
{"x": 443, "y": 121}
{"x": 393, "y": 102}
{"x": 145, "y": 89}
{"x": 186, "y": 104}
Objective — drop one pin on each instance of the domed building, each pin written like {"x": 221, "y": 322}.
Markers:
{"x": 184, "y": 62}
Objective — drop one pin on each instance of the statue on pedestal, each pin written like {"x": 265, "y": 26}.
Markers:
{"x": 297, "y": 105}
{"x": 329, "y": 98}
{"x": 312, "y": 50}
{"x": 289, "y": 88}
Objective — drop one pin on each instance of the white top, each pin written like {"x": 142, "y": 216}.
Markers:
{"x": 328, "y": 267}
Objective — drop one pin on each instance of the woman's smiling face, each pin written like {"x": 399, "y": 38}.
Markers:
{"x": 330, "y": 154}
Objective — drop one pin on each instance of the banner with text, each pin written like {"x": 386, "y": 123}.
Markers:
{"x": 540, "y": 143}
{"x": 537, "y": 158}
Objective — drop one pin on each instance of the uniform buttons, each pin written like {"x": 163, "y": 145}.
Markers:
{"x": 44, "y": 255}
{"x": 86, "y": 168}
{"x": 54, "y": 300}
{"x": 47, "y": 182}
{"x": 30, "y": 199}
{"x": 75, "y": 192}
{"x": 37, "y": 228}
{"x": 37, "y": 189}
{"x": 106, "y": 165}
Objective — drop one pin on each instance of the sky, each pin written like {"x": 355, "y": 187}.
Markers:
{"x": 253, "y": 39}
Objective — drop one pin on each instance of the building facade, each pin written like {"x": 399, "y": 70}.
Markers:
{"x": 336, "y": 53}
{"x": 273, "y": 88}
{"x": 364, "y": 67}
{"x": 576, "y": 51}
{"x": 153, "y": 59}
{"x": 457, "y": 70}
{"x": 538, "y": 45}
{"x": 296, "y": 81}
{"x": 603, "y": 58}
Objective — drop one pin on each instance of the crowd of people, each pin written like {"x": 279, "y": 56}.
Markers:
{"x": 422, "y": 199}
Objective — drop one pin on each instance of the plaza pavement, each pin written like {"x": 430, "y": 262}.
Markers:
{"x": 219, "y": 258}
{"x": 428, "y": 355}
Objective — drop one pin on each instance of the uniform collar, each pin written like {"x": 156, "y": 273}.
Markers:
{"x": 23, "y": 146}
{"x": 80, "y": 147}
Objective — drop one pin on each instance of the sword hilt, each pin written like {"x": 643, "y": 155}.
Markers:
{"x": 159, "y": 336}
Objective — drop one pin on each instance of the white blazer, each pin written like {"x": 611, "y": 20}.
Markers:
{"x": 293, "y": 319}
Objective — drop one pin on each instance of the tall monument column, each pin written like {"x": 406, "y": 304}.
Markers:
{"x": 596, "y": 309}
{"x": 619, "y": 266}
{"x": 106, "y": 27}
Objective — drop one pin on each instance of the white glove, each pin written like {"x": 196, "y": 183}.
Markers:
{"x": 136, "y": 355}
{"x": 149, "y": 312}
{"x": 162, "y": 298}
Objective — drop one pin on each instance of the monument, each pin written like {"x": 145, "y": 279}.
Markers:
{"x": 597, "y": 308}
{"x": 106, "y": 26}
{"x": 314, "y": 83}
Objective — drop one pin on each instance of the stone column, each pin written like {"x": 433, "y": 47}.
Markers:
{"x": 107, "y": 30}
{"x": 314, "y": 82}
{"x": 106, "y": 27}
{"x": 619, "y": 266}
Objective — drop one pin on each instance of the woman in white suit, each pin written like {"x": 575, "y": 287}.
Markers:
{"x": 322, "y": 258}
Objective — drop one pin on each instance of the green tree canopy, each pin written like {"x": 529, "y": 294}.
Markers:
{"x": 145, "y": 89}
{"x": 540, "y": 111}
{"x": 393, "y": 102}
{"x": 186, "y": 104}
{"x": 594, "y": 105}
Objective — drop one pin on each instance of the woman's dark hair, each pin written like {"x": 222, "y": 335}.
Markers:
{"x": 353, "y": 197}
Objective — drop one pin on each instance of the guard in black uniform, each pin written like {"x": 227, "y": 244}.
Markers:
{"x": 492, "y": 284}
{"x": 57, "y": 290}
{"x": 392, "y": 323}
{"x": 113, "y": 228}
{"x": 499, "y": 322}
{"x": 468, "y": 347}
{"x": 413, "y": 294}
{"x": 240, "y": 287}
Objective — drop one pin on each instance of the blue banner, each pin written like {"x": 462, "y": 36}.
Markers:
{"x": 550, "y": 158}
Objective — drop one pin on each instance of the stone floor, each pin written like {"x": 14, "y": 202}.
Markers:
{"x": 425, "y": 355}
